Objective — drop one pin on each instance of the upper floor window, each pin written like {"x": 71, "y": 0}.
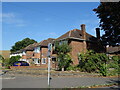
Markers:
{"x": 63, "y": 42}
{"x": 37, "y": 49}
{"x": 24, "y": 53}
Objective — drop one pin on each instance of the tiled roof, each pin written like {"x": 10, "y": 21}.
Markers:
{"x": 76, "y": 33}
{"x": 45, "y": 42}
{"x": 30, "y": 47}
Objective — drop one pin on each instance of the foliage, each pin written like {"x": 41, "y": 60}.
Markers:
{"x": 22, "y": 44}
{"x": 92, "y": 62}
{"x": 63, "y": 48}
{"x": 114, "y": 65}
{"x": 6, "y": 63}
{"x": 63, "y": 57}
{"x": 1, "y": 58}
{"x": 73, "y": 68}
{"x": 13, "y": 59}
{"x": 64, "y": 60}
{"x": 109, "y": 15}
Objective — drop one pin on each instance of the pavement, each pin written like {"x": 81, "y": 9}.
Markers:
{"x": 20, "y": 81}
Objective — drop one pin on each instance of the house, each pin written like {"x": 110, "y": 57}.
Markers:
{"x": 81, "y": 41}
{"x": 27, "y": 53}
{"x": 40, "y": 52}
{"x": 36, "y": 54}
{"x": 17, "y": 53}
{"x": 113, "y": 50}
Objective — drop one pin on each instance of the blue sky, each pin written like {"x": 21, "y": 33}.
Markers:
{"x": 42, "y": 20}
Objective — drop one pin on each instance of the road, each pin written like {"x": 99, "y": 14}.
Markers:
{"x": 56, "y": 82}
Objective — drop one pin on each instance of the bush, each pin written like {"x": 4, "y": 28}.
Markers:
{"x": 114, "y": 66}
{"x": 64, "y": 61}
{"x": 13, "y": 59}
{"x": 73, "y": 68}
{"x": 92, "y": 62}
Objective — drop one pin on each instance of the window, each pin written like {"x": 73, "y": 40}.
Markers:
{"x": 36, "y": 61}
{"x": 24, "y": 53}
{"x": 37, "y": 50}
{"x": 63, "y": 42}
{"x": 43, "y": 60}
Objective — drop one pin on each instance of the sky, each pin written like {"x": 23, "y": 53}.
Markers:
{"x": 42, "y": 20}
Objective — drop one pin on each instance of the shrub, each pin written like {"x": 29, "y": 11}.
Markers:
{"x": 91, "y": 62}
{"x": 13, "y": 59}
{"x": 114, "y": 65}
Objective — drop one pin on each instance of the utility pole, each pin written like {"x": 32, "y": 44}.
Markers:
{"x": 49, "y": 57}
{"x": 49, "y": 71}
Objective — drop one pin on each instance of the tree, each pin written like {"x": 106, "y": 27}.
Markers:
{"x": 22, "y": 44}
{"x": 92, "y": 62}
{"x": 63, "y": 57}
{"x": 13, "y": 59}
{"x": 109, "y": 15}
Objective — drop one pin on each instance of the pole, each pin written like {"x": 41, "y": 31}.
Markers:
{"x": 49, "y": 71}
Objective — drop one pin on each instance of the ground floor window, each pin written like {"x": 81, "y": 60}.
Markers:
{"x": 36, "y": 61}
{"x": 43, "y": 60}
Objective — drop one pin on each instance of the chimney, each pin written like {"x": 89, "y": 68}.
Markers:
{"x": 83, "y": 31}
{"x": 98, "y": 33}
{"x": 84, "y": 37}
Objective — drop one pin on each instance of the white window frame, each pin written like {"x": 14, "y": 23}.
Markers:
{"x": 24, "y": 53}
{"x": 37, "y": 49}
{"x": 43, "y": 60}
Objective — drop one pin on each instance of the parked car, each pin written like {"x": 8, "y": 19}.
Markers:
{"x": 21, "y": 63}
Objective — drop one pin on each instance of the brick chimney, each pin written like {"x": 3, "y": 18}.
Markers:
{"x": 84, "y": 37}
{"x": 83, "y": 31}
{"x": 98, "y": 33}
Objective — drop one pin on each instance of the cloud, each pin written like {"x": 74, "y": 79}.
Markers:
{"x": 12, "y": 19}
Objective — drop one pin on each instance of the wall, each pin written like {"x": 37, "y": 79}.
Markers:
{"x": 77, "y": 47}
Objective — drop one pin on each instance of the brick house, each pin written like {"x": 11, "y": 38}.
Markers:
{"x": 36, "y": 54}
{"x": 80, "y": 41}
{"x": 27, "y": 53}
{"x": 40, "y": 52}
{"x": 113, "y": 50}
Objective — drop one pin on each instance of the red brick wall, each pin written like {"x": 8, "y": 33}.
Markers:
{"x": 77, "y": 47}
{"x": 29, "y": 54}
{"x": 36, "y": 55}
{"x": 23, "y": 56}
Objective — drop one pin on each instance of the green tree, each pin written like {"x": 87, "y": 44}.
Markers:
{"x": 109, "y": 15}
{"x": 22, "y": 44}
{"x": 92, "y": 62}
{"x": 63, "y": 57}
{"x": 13, "y": 59}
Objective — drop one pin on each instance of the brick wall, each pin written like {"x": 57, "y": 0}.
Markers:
{"x": 36, "y": 55}
{"x": 77, "y": 47}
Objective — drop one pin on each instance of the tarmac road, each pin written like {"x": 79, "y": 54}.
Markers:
{"x": 56, "y": 82}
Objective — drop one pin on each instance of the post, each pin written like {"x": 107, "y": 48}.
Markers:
{"x": 49, "y": 57}
{"x": 49, "y": 71}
